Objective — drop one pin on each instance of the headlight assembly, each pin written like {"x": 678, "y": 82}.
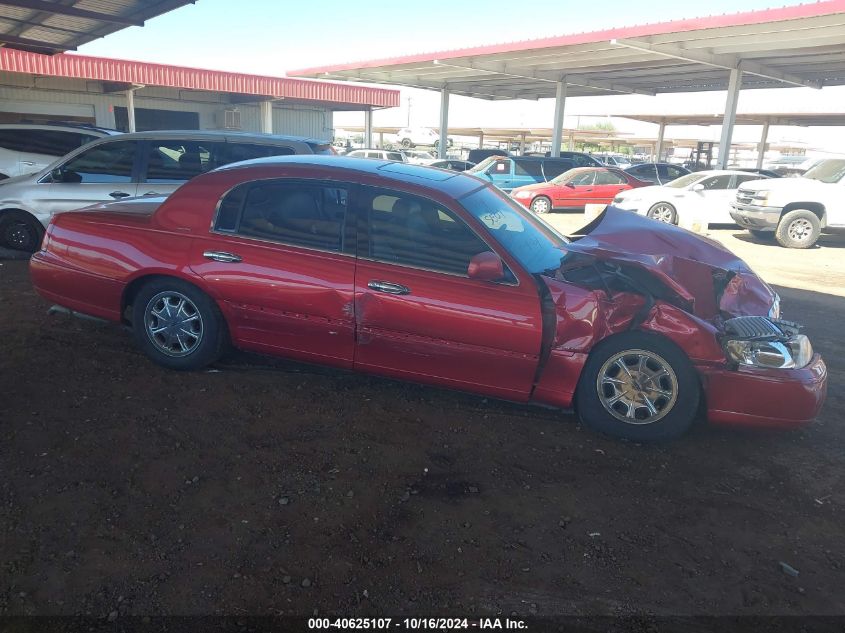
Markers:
{"x": 760, "y": 197}
{"x": 523, "y": 194}
{"x": 792, "y": 353}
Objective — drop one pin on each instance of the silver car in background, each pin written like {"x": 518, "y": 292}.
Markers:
{"x": 125, "y": 166}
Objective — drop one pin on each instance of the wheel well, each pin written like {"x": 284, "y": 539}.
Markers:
{"x": 13, "y": 211}
{"x": 814, "y": 207}
{"x": 131, "y": 291}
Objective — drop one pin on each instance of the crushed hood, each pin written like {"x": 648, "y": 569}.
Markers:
{"x": 705, "y": 275}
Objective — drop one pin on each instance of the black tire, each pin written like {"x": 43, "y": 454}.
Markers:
{"x": 437, "y": 144}
{"x": 763, "y": 236}
{"x": 213, "y": 337}
{"x": 406, "y": 143}
{"x": 798, "y": 229}
{"x": 541, "y": 205}
{"x": 674, "y": 415}
{"x": 20, "y": 231}
{"x": 663, "y": 212}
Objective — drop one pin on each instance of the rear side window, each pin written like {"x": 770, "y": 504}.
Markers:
{"x": 609, "y": 178}
{"x": 554, "y": 168}
{"x": 579, "y": 160}
{"x": 646, "y": 172}
{"x": 105, "y": 163}
{"x": 394, "y": 156}
{"x": 233, "y": 152}
{"x": 322, "y": 148}
{"x": 46, "y": 142}
{"x": 717, "y": 182}
{"x": 299, "y": 214}
{"x": 674, "y": 172}
{"x": 533, "y": 168}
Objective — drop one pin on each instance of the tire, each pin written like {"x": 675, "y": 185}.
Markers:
{"x": 798, "y": 229}
{"x": 20, "y": 231}
{"x": 663, "y": 212}
{"x": 763, "y": 236}
{"x": 194, "y": 347}
{"x": 541, "y": 204}
{"x": 437, "y": 144}
{"x": 406, "y": 143}
{"x": 673, "y": 394}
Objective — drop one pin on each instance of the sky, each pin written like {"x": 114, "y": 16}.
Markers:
{"x": 271, "y": 37}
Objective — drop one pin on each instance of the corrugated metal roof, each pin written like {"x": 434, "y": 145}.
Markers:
{"x": 148, "y": 74}
{"x": 794, "y": 45}
{"x": 63, "y": 25}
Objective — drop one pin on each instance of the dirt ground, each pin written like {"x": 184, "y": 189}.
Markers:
{"x": 263, "y": 487}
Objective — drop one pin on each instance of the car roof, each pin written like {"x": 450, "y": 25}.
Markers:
{"x": 68, "y": 127}
{"x": 221, "y": 134}
{"x": 455, "y": 184}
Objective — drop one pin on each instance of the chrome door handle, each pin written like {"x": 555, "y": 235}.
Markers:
{"x": 117, "y": 195}
{"x": 221, "y": 256}
{"x": 389, "y": 287}
{"x": 28, "y": 163}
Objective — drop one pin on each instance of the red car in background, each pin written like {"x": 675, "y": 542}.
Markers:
{"x": 433, "y": 276}
{"x": 575, "y": 188}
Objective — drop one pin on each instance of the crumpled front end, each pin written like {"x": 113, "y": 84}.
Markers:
{"x": 631, "y": 273}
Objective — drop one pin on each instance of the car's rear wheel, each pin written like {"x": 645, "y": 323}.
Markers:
{"x": 541, "y": 204}
{"x": 406, "y": 143}
{"x": 177, "y": 325}
{"x": 663, "y": 212}
{"x": 638, "y": 386}
{"x": 798, "y": 229}
{"x": 20, "y": 231}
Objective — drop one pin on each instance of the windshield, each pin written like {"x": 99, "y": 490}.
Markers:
{"x": 484, "y": 164}
{"x": 685, "y": 181}
{"x": 829, "y": 171}
{"x": 534, "y": 244}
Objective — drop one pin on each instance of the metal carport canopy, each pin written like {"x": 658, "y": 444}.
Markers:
{"x": 802, "y": 45}
{"x": 56, "y": 26}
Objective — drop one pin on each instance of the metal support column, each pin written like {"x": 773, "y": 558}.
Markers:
{"x": 522, "y": 145}
{"x": 444, "y": 123}
{"x": 658, "y": 150}
{"x": 265, "y": 110}
{"x": 730, "y": 118}
{"x": 368, "y": 128}
{"x": 130, "y": 108}
{"x": 572, "y": 141}
{"x": 560, "y": 102}
{"x": 761, "y": 148}
{"x": 481, "y": 141}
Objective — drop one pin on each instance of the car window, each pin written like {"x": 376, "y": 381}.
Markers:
{"x": 717, "y": 182}
{"x": 609, "y": 178}
{"x": 105, "y": 163}
{"x": 646, "y": 172}
{"x": 417, "y": 232}
{"x": 532, "y": 168}
{"x": 674, "y": 172}
{"x": 233, "y": 152}
{"x": 587, "y": 178}
{"x": 47, "y": 142}
{"x": 500, "y": 167}
{"x": 307, "y": 215}
{"x": 14, "y": 140}
{"x": 741, "y": 178}
{"x": 394, "y": 156}
{"x": 580, "y": 160}
{"x": 176, "y": 161}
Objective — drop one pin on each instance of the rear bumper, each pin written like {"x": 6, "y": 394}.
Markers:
{"x": 93, "y": 295}
{"x": 766, "y": 398}
{"x": 754, "y": 217}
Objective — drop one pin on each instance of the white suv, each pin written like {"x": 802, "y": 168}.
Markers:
{"x": 412, "y": 136}
{"x": 27, "y": 148}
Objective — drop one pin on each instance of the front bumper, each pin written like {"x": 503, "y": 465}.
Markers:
{"x": 751, "y": 216}
{"x": 766, "y": 398}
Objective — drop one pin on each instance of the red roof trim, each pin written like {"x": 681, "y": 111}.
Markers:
{"x": 147, "y": 74}
{"x": 815, "y": 9}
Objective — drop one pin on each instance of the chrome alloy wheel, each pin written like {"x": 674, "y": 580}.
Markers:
{"x": 799, "y": 229}
{"x": 637, "y": 386}
{"x": 540, "y": 205}
{"x": 173, "y": 323}
{"x": 663, "y": 212}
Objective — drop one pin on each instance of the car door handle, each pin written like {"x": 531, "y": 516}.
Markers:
{"x": 28, "y": 163}
{"x": 389, "y": 287}
{"x": 117, "y": 195}
{"x": 222, "y": 256}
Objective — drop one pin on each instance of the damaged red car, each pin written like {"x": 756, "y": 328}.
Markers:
{"x": 436, "y": 277}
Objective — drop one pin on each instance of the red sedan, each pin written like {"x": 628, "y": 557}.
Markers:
{"x": 431, "y": 276}
{"x": 575, "y": 188}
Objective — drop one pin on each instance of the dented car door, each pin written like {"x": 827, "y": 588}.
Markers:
{"x": 280, "y": 260}
{"x": 420, "y": 316}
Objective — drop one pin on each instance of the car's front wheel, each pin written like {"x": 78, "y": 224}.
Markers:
{"x": 638, "y": 386}
{"x": 20, "y": 231}
{"x": 663, "y": 212}
{"x": 798, "y": 229}
{"x": 541, "y": 204}
{"x": 406, "y": 143}
{"x": 177, "y": 325}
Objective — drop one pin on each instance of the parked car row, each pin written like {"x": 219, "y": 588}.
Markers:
{"x": 576, "y": 188}
{"x": 638, "y": 324}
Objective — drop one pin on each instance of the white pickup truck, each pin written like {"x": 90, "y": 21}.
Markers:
{"x": 794, "y": 210}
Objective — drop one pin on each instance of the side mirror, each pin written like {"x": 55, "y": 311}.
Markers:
{"x": 570, "y": 185}
{"x": 486, "y": 266}
{"x": 698, "y": 187}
